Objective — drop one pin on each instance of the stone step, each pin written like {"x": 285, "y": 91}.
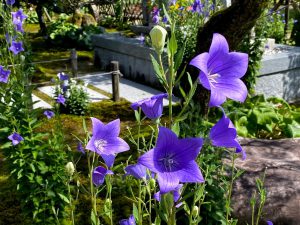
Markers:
{"x": 40, "y": 104}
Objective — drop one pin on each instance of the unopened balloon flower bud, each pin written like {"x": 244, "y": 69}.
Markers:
{"x": 152, "y": 183}
{"x": 70, "y": 169}
{"x": 195, "y": 211}
{"x": 158, "y": 38}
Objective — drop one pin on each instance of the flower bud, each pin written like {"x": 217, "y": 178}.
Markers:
{"x": 152, "y": 183}
{"x": 70, "y": 169}
{"x": 195, "y": 211}
{"x": 158, "y": 37}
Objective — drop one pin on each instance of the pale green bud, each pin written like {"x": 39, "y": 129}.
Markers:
{"x": 195, "y": 211}
{"x": 70, "y": 169}
{"x": 152, "y": 183}
{"x": 158, "y": 38}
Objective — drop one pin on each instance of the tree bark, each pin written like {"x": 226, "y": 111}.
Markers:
{"x": 234, "y": 23}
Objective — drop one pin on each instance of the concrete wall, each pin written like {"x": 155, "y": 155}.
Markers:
{"x": 279, "y": 73}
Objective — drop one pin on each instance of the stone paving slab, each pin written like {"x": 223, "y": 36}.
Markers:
{"x": 40, "y": 103}
{"x": 93, "y": 95}
{"x": 129, "y": 90}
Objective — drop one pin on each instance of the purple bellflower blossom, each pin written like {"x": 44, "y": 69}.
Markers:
{"x": 176, "y": 195}
{"x": 152, "y": 107}
{"x": 49, "y": 114}
{"x": 62, "y": 76}
{"x": 99, "y": 174}
{"x": 80, "y": 148}
{"x": 15, "y": 138}
{"x": 137, "y": 170}
{"x": 19, "y": 27}
{"x": 10, "y": 2}
{"x": 155, "y": 15}
{"x": 18, "y": 16}
{"x": 165, "y": 20}
{"x": 105, "y": 140}
{"x": 173, "y": 160}
{"x": 221, "y": 71}
{"x": 224, "y": 134}
{"x": 269, "y": 222}
{"x": 61, "y": 99}
{"x": 129, "y": 221}
{"x": 16, "y": 47}
{"x": 4, "y": 74}
{"x": 197, "y": 6}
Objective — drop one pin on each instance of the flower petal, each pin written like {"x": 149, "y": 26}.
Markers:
{"x": 115, "y": 145}
{"x": 147, "y": 160}
{"x": 108, "y": 159}
{"x": 200, "y": 61}
{"x": 234, "y": 64}
{"x": 167, "y": 182}
{"x": 112, "y": 129}
{"x": 232, "y": 88}
{"x": 216, "y": 98}
{"x": 190, "y": 173}
{"x": 186, "y": 150}
{"x": 218, "y": 47}
{"x": 98, "y": 127}
{"x": 137, "y": 170}
{"x": 166, "y": 137}
{"x": 204, "y": 80}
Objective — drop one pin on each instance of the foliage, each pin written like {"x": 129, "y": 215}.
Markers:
{"x": 66, "y": 34}
{"x": 32, "y": 17}
{"x": 77, "y": 99}
{"x": 261, "y": 118}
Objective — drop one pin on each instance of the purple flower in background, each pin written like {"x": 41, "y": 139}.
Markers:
{"x": 141, "y": 38}
{"x": 269, "y": 222}
{"x": 105, "y": 140}
{"x": 49, "y": 114}
{"x": 129, "y": 221}
{"x": 221, "y": 71}
{"x": 152, "y": 107}
{"x": 62, "y": 76}
{"x": 80, "y": 148}
{"x": 99, "y": 174}
{"x": 10, "y": 2}
{"x": 165, "y": 19}
{"x": 295, "y": 21}
{"x": 173, "y": 160}
{"x": 224, "y": 134}
{"x": 16, "y": 47}
{"x": 197, "y": 6}
{"x": 4, "y": 74}
{"x": 19, "y": 27}
{"x": 176, "y": 194}
{"x": 61, "y": 99}
{"x": 15, "y": 138}
{"x": 155, "y": 15}
{"x": 137, "y": 170}
{"x": 18, "y": 16}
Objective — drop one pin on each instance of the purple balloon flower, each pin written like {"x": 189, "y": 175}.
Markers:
{"x": 16, "y": 47}
{"x": 224, "y": 134}
{"x": 62, "y": 76}
{"x": 61, "y": 99}
{"x": 197, "y": 6}
{"x": 19, "y": 27}
{"x": 129, "y": 221}
{"x": 176, "y": 193}
{"x": 10, "y": 2}
{"x": 80, "y": 148}
{"x": 165, "y": 19}
{"x": 155, "y": 15}
{"x": 4, "y": 74}
{"x": 269, "y": 222}
{"x": 137, "y": 170}
{"x": 105, "y": 140}
{"x": 49, "y": 114}
{"x": 221, "y": 71}
{"x": 18, "y": 16}
{"x": 99, "y": 174}
{"x": 152, "y": 107}
{"x": 15, "y": 138}
{"x": 173, "y": 160}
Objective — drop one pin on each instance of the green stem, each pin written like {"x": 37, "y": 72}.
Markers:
{"x": 172, "y": 219}
{"x": 228, "y": 201}
{"x": 108, "y": 186}
{"x": 71, "y": 206}
{"x": 140, "y": 220}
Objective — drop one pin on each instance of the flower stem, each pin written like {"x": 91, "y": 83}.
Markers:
{"x": 228, "y": 200}
{"x": 71, "y": 206}
{"x": 140, "y": 220}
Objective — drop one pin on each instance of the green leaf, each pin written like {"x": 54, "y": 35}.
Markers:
{"x": 179, "y": 57}
{"x": 135, "y": 213}
{"x": 64, "y": 198}
{"x": 176, "y": 128}
{"x": 167, "y": 15}
{"x": 157, "y": 70}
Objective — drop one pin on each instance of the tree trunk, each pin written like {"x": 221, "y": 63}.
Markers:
{"x": 39, "y": 11}
{"x": 234, "y": 23}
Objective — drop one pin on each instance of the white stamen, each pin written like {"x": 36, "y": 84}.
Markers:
{"x": 212, "y": 78}
{"x": 100, "y": 144}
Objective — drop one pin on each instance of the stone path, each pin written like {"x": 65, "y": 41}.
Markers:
{"x": 129, "y": 90}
